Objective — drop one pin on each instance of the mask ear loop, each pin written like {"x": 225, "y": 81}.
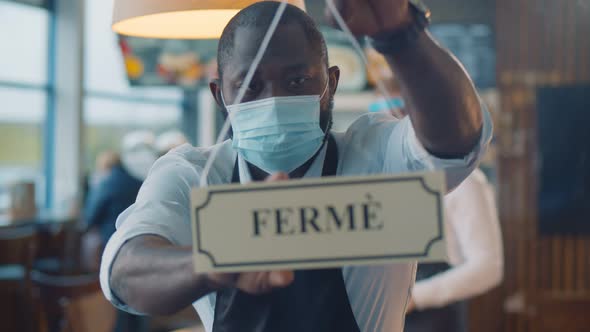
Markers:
{"x": 242, "y": 92}
{"x": 330, "y": 122}
{"x": 380, "y": 83}
{"x": 222, "y": 98}
{"x": 325, "y": 89}
{"x": 329, "y": 125}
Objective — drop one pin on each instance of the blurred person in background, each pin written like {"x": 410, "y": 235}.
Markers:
{"x": 92, "y": 241}
{"x": 169, "y": 140}
{"x": 105, "y": 162}
{"x": 474, "y": 247}
{"x": 114, "y": 193}
{"x": 118, "y": 190}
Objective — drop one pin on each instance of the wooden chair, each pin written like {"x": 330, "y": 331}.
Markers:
{"x": 57, "y": 248}
{"x": 17, "y": 251}
{"x": 70, "y": 296}
{"x": 70, "y": 301}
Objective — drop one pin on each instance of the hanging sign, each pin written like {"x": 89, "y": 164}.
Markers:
{"x": 319, "y": 223}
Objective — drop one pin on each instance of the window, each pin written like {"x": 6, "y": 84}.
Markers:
{"x": 21, "y": 128}
{"x": 108, "y": 120}
{"x": 24, "y": 92}
{"x": 112, "y": 107}
{"x": 24, "y": 57}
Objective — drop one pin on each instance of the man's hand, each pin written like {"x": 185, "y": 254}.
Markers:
{"x": 441, "y": 99}
{"x": 411, "y": 306}
{"x": 254, "y": 282}
{"x": 369, "y": 17}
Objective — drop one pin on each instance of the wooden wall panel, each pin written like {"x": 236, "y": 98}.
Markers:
{"x": 539, "y": 42}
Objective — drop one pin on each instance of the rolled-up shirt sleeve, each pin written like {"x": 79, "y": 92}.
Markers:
{"x": 161, "y": 208}
{"x": 403, "y": 145}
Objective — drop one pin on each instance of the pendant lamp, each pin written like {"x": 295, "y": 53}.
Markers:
{"x": 178, "y": 19}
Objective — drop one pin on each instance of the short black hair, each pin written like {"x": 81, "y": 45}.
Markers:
{"x": 260, "y": 15}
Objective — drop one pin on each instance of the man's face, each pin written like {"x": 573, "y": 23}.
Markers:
{"x": 290, "y": 67}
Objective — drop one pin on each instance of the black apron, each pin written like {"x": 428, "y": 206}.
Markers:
{"x": 450, "y": 318}
{"x": 315, "y": 301}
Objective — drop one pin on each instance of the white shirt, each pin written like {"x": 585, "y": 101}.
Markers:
{"x": 474, "y": 246}
{"x": 374, "y": 144}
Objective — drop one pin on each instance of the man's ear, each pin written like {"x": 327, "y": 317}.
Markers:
{"x": 215, "y": 87}
{"x": 334, "y": 76}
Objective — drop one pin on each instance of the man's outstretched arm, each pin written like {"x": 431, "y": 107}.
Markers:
{"x": 442, "y": 102}
{"x": 154, "y": 276}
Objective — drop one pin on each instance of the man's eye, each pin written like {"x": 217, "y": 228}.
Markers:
{"x": 298, "y": 82}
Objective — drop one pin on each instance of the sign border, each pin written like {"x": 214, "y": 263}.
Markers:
{"x": 420, "y": 179}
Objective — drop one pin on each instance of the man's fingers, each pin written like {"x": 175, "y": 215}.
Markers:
{"x": 263, "y": 282}
{"x": 280, "y": 278}
{"x": 278, "y": 177}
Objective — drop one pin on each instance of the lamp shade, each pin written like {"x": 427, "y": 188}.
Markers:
{"x": 178, "y": 19}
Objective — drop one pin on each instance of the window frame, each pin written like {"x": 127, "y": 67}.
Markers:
{"x": 48, "y": 89}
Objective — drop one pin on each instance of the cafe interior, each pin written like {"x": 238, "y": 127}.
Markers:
{"x": 77, "y": 85}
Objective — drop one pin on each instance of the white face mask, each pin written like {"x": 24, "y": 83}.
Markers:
{"x": 277, "y": 134}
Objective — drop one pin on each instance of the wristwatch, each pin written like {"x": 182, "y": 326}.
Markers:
{"x": 392, "y": 42}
